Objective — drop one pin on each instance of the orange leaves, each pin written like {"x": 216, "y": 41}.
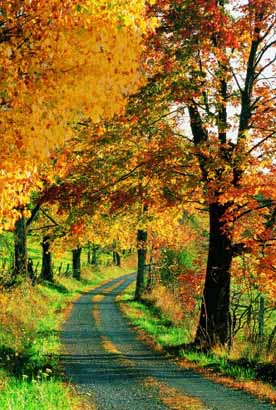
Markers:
{"x": 77, "y": 228}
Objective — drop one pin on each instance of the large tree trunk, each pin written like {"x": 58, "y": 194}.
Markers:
{"x": 214, "y": 322}
{"x": 76, "y": 253}
{"x": 47, "y": 269}
{"x": 141, "y": 254}
{"x": 20, "y": 248}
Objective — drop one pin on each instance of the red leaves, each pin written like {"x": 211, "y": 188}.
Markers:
{"x": 77, "y": 228}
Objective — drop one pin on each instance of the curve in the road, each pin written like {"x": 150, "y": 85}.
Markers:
{"x": 104, "y": 359}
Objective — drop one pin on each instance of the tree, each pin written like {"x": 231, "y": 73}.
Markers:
{"x": 21, "y": 265}
{"x": 123, "y": 165}
{"x": 20, "y": 248}
{"x": 76, "y": 254}
{"x": 141, "y": 255}
{"x": 215, "y": 60}
{"x": 47, "y": 268}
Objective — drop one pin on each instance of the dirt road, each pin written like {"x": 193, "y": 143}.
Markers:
{"x": 106, "y": 362}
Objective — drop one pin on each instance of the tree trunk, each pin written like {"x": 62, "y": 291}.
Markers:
{"x": 20, "y": 248}
{"x": 76, "y": 253}
{"x": 47, "y": 269}
{"x": 94, "y": 255}
{"x": 141, "y": 254}
{"x": 116, "y": 259}
{"x": 89, "y": 254}
{"x": 261, "y": 319}
{"x": 270, "y": 340}
{"x": 31, "y": 272}
{"x": 214, "y": 322}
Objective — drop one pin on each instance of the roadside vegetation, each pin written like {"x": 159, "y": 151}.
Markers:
{"x": 167, "y": 315}
{"x": 31, "y": 376}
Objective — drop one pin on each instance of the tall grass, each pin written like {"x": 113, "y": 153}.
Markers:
{"x": 51, "y": 394}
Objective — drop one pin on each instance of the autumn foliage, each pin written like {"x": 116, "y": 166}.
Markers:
{"x": 61, "y": 62}
{"x": 125, "y": 117}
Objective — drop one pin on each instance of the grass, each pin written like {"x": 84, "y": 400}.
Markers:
{"x": 42, "y": 394}
{"x": 170, "y": 336}
{"x": 219, "y": 364}
{"x": 30, "y": 320}
{"x": 60, "y": 259}
{"x": 151, "y": 319}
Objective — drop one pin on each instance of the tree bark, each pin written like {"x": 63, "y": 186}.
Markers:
{"x": 261, "y": 318}
{"x": 214, "y": 322}
{"x": 47, "y": 269}
{"x": 141, "y": 254}
{"x": 76, "y": 253}
{"x": 89, "y": 254}
{"x": 20, "y": 248}
{"x": 270, "y": 340}
{"x": 94, "y": 254}
{"x": 116, "y": 259}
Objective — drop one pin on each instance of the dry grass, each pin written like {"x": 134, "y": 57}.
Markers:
{"x": 20, "y": 312}
{"x": 96, "y": 314}
{"x": 257, "y": 388}
{"x": 109, "y": 346}
{"x": 167, "y": 302}
{"x": 174, "y": 399}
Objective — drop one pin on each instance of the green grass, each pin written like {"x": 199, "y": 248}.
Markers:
{"x": 171, "y": 338}
{"x": 220, "y": 364}
{"x": 37, "y": 394}
{"x": 152, "y": 321}
{"x": 35, "y": 253}
{"x": 30, "y": 375}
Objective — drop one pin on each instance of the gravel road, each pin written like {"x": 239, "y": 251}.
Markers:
{"x": 106, "y": 361}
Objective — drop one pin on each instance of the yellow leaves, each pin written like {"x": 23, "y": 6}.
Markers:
{"x": 119, "y": 13}
{"x": 84, "y": 62}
